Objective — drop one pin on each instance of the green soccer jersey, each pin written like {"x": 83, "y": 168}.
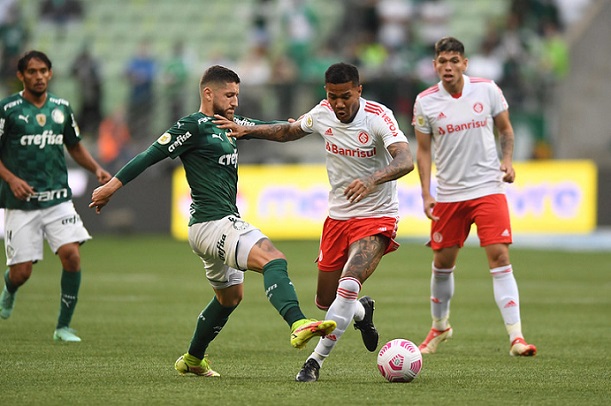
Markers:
{"x": 32, "y": 143}
{"x": 210, "y": 160}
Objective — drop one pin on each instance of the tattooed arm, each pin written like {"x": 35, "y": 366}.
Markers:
{"x": 401, "y": 164}
{"x": 280, "y": 132}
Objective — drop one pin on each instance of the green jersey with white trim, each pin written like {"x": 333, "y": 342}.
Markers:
{"x": 32, "y": 143}
{"x": 210, "y": 160}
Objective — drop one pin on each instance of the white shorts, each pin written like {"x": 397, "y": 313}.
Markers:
{"x": 24, "y": 231}
{"x": 223, "y": 246}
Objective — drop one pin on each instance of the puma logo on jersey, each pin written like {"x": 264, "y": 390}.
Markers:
{"x": 24, "y": 118}
{"x": 219, "y": 136}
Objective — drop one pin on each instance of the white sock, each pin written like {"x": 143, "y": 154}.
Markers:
{"x": 342, "y": 312}
{"x": 359, "y": 311}
{"x": 442, "y": 290}
{"x": 507, "y": 299}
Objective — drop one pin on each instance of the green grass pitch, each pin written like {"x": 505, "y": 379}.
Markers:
{"x": 141, "y": 295}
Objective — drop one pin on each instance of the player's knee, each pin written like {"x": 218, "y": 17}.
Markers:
{"x": 20, "y": 274}
{"x": 70, "y": 257}
{"x": 232, "y": 299}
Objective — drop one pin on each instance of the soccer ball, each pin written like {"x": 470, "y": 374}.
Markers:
{"x": 399, "y": 360}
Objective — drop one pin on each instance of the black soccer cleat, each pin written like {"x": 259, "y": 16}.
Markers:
{"x": 368, "y": 331}
{"x": 309, "y": 372}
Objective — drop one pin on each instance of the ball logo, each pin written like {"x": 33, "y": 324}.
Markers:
{"x": 478, "y": 107}
{"x": 164, "y": 138}
{"x": 363, "y": 137}
{"x": 396, "y": 363}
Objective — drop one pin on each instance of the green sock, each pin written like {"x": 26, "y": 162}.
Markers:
{"x": 9, "y": 285}
{"x": 280, "y": 291}
{"x": 70, "y": 284}
{"x": 209, "y": 324}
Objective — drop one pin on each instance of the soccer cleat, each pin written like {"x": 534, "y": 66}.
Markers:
{"x": 432, "y": 340}
{"x": 520, "y": 348}
{"x": 203, "y": 369}
{"x": 7, "y": 301}
{"x": 66, "y": 334}
{"x": 368, "y": 331}
{"x": 303, "y": 330}
{"x": 309, "y": 372}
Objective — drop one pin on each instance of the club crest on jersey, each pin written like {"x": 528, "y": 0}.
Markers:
{"x": 363, "y": 137}
{"x": 58, "y": 116}
{"x": 478, "y": 107}
{"x": 41, "y": 119}
{"x": 164, "y": 138}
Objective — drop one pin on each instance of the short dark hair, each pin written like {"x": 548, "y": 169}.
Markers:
{"x": 342, "y": 73}
{"x": 218, "y": 74}
{"x": 22, "y": 64}
{"x": 449, "y": 44}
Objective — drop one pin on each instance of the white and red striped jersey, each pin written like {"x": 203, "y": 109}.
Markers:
{"x": 356, "y": 150}
{"x": 463, "y": 145}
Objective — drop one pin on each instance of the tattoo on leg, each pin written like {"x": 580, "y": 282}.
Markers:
{"x": 365, "y": 255}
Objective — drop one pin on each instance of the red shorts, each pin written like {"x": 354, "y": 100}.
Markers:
{"x": 489, "y": 213}
{"x": 338, "y": 235}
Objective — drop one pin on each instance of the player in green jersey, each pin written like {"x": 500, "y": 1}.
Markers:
{"x": 226, "y": 244}
{"x": 35, "y": 126}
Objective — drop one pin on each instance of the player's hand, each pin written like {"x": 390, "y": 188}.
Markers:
{"x": 358, "y": 189}
{"x": 21, "y": 189}
{"x": 428, "y": 203}
{"x": 233, "y": 130}
{"x": 102, "y": 175}
{"x": 510, "y": 173}
{"x": 102, "y": 194}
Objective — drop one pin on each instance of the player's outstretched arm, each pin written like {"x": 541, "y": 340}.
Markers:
{"x": 280, "y": 132}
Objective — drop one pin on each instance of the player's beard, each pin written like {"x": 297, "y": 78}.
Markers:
{"x": 37, "y": 91}
{"x": 227, "y": 113}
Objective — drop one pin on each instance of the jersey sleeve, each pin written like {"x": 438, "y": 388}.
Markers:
{"x": 72, "y": 133}
{"x": 387, "y": 127}
{"x": 308, "y": 119}
{"x": 419, "y": 119}
{"x": 139, "y": 164}
{"x": 2, "y": 126}
{"x": 497, "y": 100}
{"x": 179, "y": 138}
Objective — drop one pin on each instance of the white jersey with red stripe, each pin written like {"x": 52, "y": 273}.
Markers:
{"x": 356, "y": 150}
{"x": 463, "y": 145}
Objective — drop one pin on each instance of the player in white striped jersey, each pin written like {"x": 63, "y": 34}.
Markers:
{"x": 455, "y": 120}
{"x": 366, "y": 153}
